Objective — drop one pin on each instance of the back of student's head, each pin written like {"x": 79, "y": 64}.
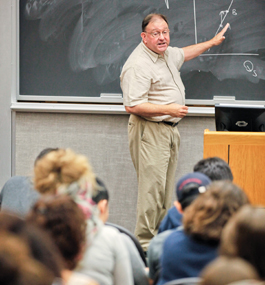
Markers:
{"x": 65, "y": 222}
{"x": 215, "y": 168}
{"x": 244, "y": 237}
{"x": 63, "y": 170}
{"x": 17, "y": 266}
{"x": 223, "y": 271}
{"x": 41, "y": 246}
{"x": 44, "y": 152}
{"x": 101, "y": 192}
{"x": 208, "y": 214}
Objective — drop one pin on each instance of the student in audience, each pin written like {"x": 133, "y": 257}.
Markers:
{"x": 213, "y": 167}
{"x": 138, "y": 266}
{"x": 223, "y": 271}
{"x": 41, "y": 246}
{"x": 61, "y": 217}
{"x": 18, "y": 194}
{"x": 17, "y": 267}
{"x": 64, "y": 172}
{"x": 244, "y": 237}
{"x": 188, "y": 189}
{"x": 186, "y": 252}
{"x": 248, "y": 282}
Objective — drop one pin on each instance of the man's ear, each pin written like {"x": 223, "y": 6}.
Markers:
{"x": 103, "y": 206}
{"x": 143, "y": 36}
{"x": 178, "y": 206}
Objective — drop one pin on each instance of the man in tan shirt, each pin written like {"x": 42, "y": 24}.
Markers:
{"x": 154, "y": 95}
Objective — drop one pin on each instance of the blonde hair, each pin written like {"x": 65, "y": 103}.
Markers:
{"x": 64, "y": 172}
{"x": 61, "y": 168}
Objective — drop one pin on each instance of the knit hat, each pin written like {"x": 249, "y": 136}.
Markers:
{"x": 190, "y": 186}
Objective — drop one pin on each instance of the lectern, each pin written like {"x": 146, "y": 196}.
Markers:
{"x": 245, "y": 154}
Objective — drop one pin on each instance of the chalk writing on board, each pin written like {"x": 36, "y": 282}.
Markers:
{"x": 229, "y": 67}
{"x": 250, "y": 67}
{"x": 97, "y": 37}
{"x": 234, "y": 12}
{"x": 223, "y": 15}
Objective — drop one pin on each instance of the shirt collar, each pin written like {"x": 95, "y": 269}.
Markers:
{"x": 154, "y": 56}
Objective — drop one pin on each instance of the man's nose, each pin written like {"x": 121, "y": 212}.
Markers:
{"x": 161, "y": 35}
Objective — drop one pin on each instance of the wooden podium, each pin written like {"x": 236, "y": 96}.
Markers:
{"x": 245, "y": 154}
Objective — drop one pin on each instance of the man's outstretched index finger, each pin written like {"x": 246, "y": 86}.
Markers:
{"x": 224, "y": 29}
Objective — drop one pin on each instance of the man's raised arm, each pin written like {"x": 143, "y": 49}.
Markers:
{"x": 193, "y": 51}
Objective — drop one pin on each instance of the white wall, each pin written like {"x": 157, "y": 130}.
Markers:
{"x": 5, "y": 89}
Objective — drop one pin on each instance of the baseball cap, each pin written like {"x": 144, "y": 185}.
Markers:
{"x": 190, "y": 186}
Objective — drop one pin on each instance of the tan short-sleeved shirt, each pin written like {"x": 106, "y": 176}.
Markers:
{"x": 150, "y": 77}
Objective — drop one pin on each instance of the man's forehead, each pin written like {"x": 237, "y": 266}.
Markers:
{"x": 156, "y": 20}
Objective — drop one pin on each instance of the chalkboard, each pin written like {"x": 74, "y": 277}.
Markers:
{"x": 76, "y": 48}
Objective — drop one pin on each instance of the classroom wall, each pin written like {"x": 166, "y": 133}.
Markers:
{"x": 103, "y": 139}
{"x": 5, "y": 90}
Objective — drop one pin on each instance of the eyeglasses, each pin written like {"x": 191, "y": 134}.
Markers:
{"x": 157, "y": 34}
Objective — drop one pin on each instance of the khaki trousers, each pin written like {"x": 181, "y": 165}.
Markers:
{"x": 154, "y": 151}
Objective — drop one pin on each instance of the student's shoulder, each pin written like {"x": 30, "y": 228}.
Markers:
{"x": 15, "y": 183}
{"x": 18, "y": 179}
{"x": 175, "y": 236}
{"x": 161, "y": 237}
{"x": 112, "y": 231}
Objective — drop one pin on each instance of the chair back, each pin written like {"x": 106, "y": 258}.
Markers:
{"x": 133, "y": 238}
{"x": 185, "y": 281}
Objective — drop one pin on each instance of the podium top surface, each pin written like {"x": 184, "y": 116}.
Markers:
{"x": 223, "y": 137}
